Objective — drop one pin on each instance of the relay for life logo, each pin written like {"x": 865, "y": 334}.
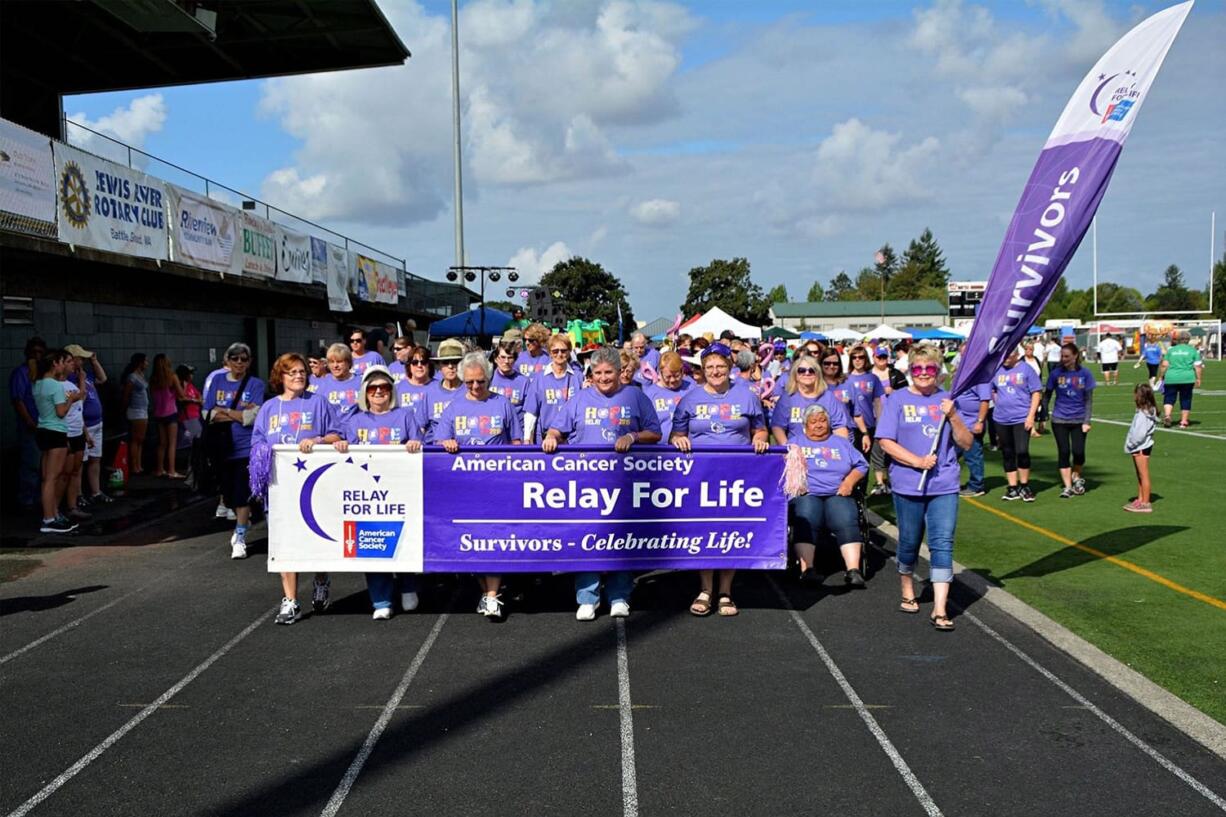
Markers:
{"x": 370, "y": 513}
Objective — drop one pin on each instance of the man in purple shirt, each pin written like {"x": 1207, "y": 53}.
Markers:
{"x": 21, "y": 392}
{"x": 362, "y": 359}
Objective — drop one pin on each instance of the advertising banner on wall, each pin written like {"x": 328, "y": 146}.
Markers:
{"x": 258, "y": 248}
{"x": 338, "y": 279}
{"x": 319, "y": 260}
{"x": 367, "y": 277}
{"x": 387, "y": 290}
{"x": 27, "y": 186}
{"x": 293, "y": 256}
{"x": 203, "y": 232}
{"x": 108, "y": 206}
{"x": 503, "y": 509}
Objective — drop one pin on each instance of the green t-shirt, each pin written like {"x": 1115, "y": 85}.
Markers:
{"x": 1181, "y": 359}
{"x": 49, "y": 393}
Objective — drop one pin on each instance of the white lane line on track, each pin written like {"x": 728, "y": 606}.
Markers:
{"x": 908, "y": 776}
{"x": 389, "y": 709}
{"x": 1182, "y": 432}
{"x": 136, "y": 720}
{"x": 78, "y": 621}
{"x": 630, "y": 786}
{"x": 1116, "y": 726}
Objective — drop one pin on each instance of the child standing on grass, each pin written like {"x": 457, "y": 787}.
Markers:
{"x": 1140, "y": 442}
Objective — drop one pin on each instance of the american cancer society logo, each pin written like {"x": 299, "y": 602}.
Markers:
{"x": 371, "y": 540}
{"x": 1115, "y": 96}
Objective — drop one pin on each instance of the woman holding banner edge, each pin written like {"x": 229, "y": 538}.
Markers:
{"x": 613, "y": 412}
{"x": 925, "y": 485}
{"x": 717, "y": 414}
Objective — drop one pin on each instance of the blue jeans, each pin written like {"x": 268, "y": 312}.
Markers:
{"x": 617, "y": 587}
{"x": 974, "y": 463}
{"x": 29, "y": 468}
{"x": 384, "y": 586}
{"x": 937, "y": 514}
{"x": 809, "y": 513}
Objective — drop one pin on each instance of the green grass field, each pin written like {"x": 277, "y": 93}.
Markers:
{"x": 1175, "y": 639}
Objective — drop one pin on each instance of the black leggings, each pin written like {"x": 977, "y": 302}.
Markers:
{"x": 1014, "y": 444}
{"x": 1069, "y": 437}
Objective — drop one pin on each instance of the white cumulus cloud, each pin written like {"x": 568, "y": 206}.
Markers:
{"x": 131, "y": 124}
{"x": 656, "y": 212}
{"x": 532, "y": 264}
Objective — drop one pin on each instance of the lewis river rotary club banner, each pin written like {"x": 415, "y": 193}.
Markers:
{"x": 512, "y": 509}
{"x": 108, "y": 206}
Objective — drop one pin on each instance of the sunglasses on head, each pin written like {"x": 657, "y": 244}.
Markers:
{"x": 805, "y": 370}
{"x": 924, "y": 371}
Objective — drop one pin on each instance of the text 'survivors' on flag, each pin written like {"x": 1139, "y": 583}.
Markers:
{"x": 1063, "y": 192}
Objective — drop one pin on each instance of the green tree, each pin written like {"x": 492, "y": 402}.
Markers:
{"x": 925, "y": 256}
{"x": 868, "y": 283}
{"x": 909, "y": 283}
{"x": 1173, "y": 294}
{"x": 505, "y": 306}
{"x": 816, "y": 293}
{"x": 1219, "y": 289}
{"x": 841, "y": 288}
{"x": 1118, "y": 298}
{"x": 728, "y": 285}
{"x": 888, "y": 265}
{"x": 1057, "y": 303}
{"x": 778, "y": 294}
{"x": 585, "y": 290}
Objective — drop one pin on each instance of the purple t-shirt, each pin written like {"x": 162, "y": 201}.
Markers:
{"x": 92, "y": 403}
{"x": 547, "y": 394}
{"x": 395, "y": 427}
{"x": 430, "y": 408}
{"x": 828, "y": 462}
{"x": 591, "y": 418}
{"x": 967, "y": 403}
{"x": 730, "y": 418}
{"x": 665, "y": 403}
{"x": 1070, "y": 388}
{"x": 342, "y": 395}
{"x": 530, "y": 366}
{"x": 408, "y": 395}
{"x": 22, "y": 388}
{"x": 789, "y": 412}
{"x": 912, "y": 420}
{"x": 845, "y": 394}
{"x": 865, "y": 388}
{"x": 398, "y": 371}
{"x": 514, "y": 388}
{"x": 1011, "y": 390}
{"x": 492, "y": 421}
{"x": 221, "y": 394}
{"x": 364, "y": 361}
{"x": 292, "y": 421}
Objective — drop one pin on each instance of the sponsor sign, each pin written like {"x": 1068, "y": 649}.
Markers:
{"x": 319, "y": 260}
{"x": 203, "y": 232}
{"x": 337, "y": 279}
{"x": 27, "y": 189}
{"x": 293, "y": 256}
{"x": 257, "y": 246}
{"x": 387, "y": 290}
{"x": 108, "y": 206}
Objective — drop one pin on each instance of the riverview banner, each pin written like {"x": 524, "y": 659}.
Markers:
{"x": 258, "y": 249}
{"x": 203, "y": 232}
{"x": 1064, "y": 191}
{"x": 293, "y": 256}
{"x": 506, "y": 509}
{"x": 337, "y": 279}
{"x": 108, "y": 206}
{"x": 27, "y": 186}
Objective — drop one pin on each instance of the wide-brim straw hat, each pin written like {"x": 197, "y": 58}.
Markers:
{"x": 450, "y": 349}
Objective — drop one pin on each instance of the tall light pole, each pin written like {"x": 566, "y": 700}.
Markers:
{"x": 455, "y": 114}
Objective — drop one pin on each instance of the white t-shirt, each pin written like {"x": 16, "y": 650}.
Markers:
{"x": 1053, "y": 352}
{"x": 75, "y": 418}
{"x": 1040, "y": 350}
{"x": 1109, "y": 350}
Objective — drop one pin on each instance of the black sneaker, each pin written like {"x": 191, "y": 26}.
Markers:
{"x": 1026, "y": 493}
{"x": 1011, "y": 494}
{"x": 811, "y": 577}
{"x": 57, "y": 525}
{"x": 853, "y": 578}
{"x": 969, "y": 491}
{"x": 101, "y": 499}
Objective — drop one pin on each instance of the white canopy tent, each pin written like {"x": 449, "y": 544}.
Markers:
{"x": 885, "y": 332}
{"x": 716, "y": 321}
{"x": 841, "y": 334}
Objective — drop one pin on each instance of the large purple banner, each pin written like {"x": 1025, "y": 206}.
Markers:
{"x": 512, "y": 509}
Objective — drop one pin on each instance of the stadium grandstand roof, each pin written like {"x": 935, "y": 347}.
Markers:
{"x": 843, "y": 309}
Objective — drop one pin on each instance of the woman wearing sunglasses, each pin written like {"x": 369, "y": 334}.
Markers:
{"x": 550, "y": 390}
{"x": 245, "y": 394}
{"x": 445, "y": 387}
{"x": 1016, "y": 392}
{"x": 362, "y": 359}
{"x": 805, "y": 387}
{"x": 419, "y": 374}
{"x": 668, "y": 389}
{"x": 378, "y": 421}
{"x": 910, "y": 420}
{"x": 508, "y": 381}
{"x": 535, "y": 358}
{"x": 867, "y": 394}
{"x": 479, "y": 418}
{"x": 836, "y": 384}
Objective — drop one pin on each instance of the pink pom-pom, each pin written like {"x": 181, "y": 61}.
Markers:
{"x": 768, "y": 386}
{"x": 648, "y": 372}
{"x": 676, "y": 327}
{"x": 795, "y": 480}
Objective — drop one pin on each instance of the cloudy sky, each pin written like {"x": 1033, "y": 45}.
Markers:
{"x": 653, "y": 136}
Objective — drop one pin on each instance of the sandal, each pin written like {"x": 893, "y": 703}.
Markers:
{"x": 1183, "y": 424}
{"x": 702, "y": 604}
{"x": 942, "y": 623}
{"x": 727, "y": 607}
{"x": 910, "y": 606}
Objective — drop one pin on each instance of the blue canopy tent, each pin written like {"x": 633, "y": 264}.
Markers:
{"x": 481, "y": 321}
{"x": 934, "y": 333}
{"x": 812, "y": 336}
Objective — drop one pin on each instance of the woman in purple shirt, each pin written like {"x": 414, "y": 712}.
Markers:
{"x": 668, "y": 389}
{"x": 419, "y": 374}
{"x": 442, "y": 391}
{"x": 610, "y": 413}
{"x": 1016, "y": 391}
{"x": 550, "y": 389}
{"x": 339, "y": 387}
{"x": 378, "y": 422}
{"x": 717, "y": 414}
{"x": 806, "y": 387}
{"x": 841, "y": 390}
{"x": 507, "y": 381}
{"x": 910, "y": 420}
{"x": 866, "y": 393}
{"x": 480, "y": 417}
{"x": 533, "y": 360}
{"x": 237, "y": 389}
{"x": 834, "y": 468}
{"x": 1073, "y": 385}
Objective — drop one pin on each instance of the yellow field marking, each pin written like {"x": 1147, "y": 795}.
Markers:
{"x": 1115, "y": 560}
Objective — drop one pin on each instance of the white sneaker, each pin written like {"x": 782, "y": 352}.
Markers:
{"x": 408, "y": 602}
{"x": 222, "y": 510}
{"x": 490, "y": 607}
{"x": 586, "y": 612}
{"x": 382, "y": 613}
{"x": 238, "y": 546}
{"x": 289, "y": 612}
{"x": 231, "y": 515}
{"x": 619, "y": 609}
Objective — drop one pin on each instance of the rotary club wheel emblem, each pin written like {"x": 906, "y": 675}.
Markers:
{"x": 74, "y": 195}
